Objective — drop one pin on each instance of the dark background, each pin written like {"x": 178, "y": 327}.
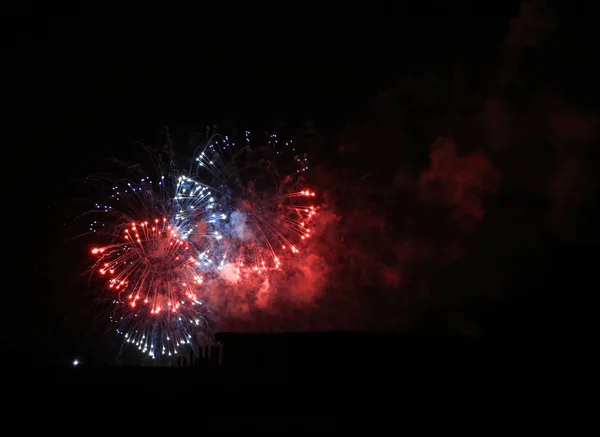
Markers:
{"x": 85, "y": 86}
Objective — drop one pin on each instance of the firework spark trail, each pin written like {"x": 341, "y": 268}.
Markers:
{"x": 228, "y": 219}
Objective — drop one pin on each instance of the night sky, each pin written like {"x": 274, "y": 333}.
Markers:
{"x": 459, "y": 147}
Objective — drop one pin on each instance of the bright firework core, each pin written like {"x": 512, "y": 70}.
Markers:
{"x": 152, "y": 266}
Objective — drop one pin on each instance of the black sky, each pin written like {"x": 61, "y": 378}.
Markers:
{"x": 84, "y": 87}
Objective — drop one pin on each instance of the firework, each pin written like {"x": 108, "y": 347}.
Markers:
{"x": 231, "y": 217}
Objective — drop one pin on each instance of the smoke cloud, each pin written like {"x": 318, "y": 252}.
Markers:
{"x": 240, "y": 226}
{"x": 435, "y": 204}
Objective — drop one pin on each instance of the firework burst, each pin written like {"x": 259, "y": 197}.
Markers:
{"x": 231, "y": 218}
